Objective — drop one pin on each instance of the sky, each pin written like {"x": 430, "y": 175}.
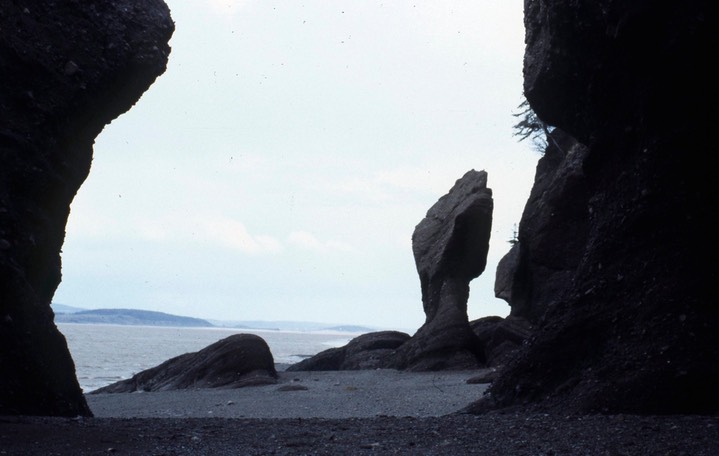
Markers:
{"x": 277, "y": 169}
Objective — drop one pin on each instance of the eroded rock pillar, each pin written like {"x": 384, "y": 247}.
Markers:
{"x": 450, "y": 248}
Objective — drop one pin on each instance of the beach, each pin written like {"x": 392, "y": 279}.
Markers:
{"x": 346, "y": 413}
{"x": 335, "y": 394}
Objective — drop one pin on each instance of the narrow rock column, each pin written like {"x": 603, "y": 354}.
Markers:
{"x": 450, "y": 248}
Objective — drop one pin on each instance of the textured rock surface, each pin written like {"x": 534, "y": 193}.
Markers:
{"x": 501, "y": 337}
{"x": 615, "y": 250}
{"x": 504, "y": 276}
{"x": 553, "y": 230}
{"x": 233, "y": 362}
{"x": 68, "y": 68}
{"x": 368, "y": 351}
{"x": 450, "y": 249}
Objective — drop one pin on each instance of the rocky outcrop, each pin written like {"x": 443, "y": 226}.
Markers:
{"x": 68, "y": 68}
{"x": 234, "y": 362}
{"x": 450, "y": 249}
{"x": 614, "y": 244}
{"x": 368, "y": 351}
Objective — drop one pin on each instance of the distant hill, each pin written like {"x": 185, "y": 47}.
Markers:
{"x": 129, "y": 317}
{"x": 71, "y": 314}
{"x": 349, "y": 329}
{"x": 62, "y": 308}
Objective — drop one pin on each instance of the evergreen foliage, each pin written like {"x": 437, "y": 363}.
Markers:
{"x": 531, "y": 127}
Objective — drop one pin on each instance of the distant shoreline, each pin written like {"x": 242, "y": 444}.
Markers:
{"x": 138, "y": 317}
{"x": 218, "y": 328}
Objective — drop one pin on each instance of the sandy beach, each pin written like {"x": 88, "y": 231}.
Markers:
{"x": 346, "y": 413}
{"x": 336, "y": 394}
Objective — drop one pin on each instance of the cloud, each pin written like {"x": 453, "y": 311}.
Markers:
{"x": 175, "y": 228}
{"x": 455, "y": 24}
{"x": 215, "y": 231}
{"x": 233, "y": 234}
{"x": 415, "y": 183}
{"x": 307, "y": 241}
{"x": 417, "y": 179}
{"x": 224, "y": 7}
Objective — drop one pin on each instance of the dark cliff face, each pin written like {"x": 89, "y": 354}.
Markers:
{"x": 68, "y": 68}
{"x": 602, "y": 68}
{"x": 554, "y": 228}
{"x": 626, "y": 321}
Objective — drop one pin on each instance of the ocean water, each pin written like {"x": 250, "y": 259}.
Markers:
{"x": 104, "y": 354}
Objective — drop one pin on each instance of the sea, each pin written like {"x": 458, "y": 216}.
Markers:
{"x": 105, "y": 354}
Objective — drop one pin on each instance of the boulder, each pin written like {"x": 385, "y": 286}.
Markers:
{"x": 68, "y": 69}
{"x": 234, "y": 362}
{"x": 450, "y": 248}
{"x": 367, "y": 351}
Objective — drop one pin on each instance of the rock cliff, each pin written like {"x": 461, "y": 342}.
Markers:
{"x": 614, "y": 258}
{"x": 68, "y": 68}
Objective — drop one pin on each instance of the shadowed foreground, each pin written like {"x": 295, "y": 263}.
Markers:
{"x": 512, "y": 433}
{"x": 346, "y": 413}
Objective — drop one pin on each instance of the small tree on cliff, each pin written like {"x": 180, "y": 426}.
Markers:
{"x": 531, "y": 127}
{"x": 515, "y": 235}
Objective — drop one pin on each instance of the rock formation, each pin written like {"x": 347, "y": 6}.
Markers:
{"x": 233, "y": 362}
{"x": 368, "y": 351}
{"x": 450, "y": 249}
{"x": 68, "y": 68}
{"x": 615, "y": 251}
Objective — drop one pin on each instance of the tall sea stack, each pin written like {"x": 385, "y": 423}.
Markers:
{"x": 450, "y": 246}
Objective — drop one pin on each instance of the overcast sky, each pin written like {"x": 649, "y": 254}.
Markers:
{"x": 278, "y": 168}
